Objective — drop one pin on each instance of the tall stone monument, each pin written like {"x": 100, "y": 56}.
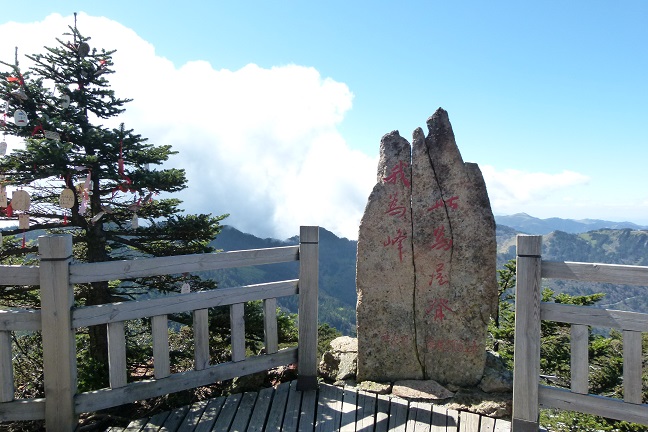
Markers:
{"x": 426, "y": 263}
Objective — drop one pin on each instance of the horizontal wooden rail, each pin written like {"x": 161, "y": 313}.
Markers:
{"x": 106, "y": 398}
{"x": 130, "y": 269}
{"x": 593, "y": 272}
{"x": 553, "y": 397}
{"x": 23, "y": 409}
{"x": 19, "y": 275}
{"x": 115, "y": 312}
{"x": 592, "y": 316}
{"x": 20, "y": 320}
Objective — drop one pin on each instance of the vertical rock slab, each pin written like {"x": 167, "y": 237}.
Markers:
{"x": 454, "y": 257}
{"x": 387, "y": 347}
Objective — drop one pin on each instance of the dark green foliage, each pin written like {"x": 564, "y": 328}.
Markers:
{"x": 113, "y": 173}
{"x": 605, "y": 356}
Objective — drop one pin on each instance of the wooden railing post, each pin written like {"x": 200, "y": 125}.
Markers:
{"x": 526, "y": 368}
{"x": 59, "y": 350}
{"x": 308, "y": 287}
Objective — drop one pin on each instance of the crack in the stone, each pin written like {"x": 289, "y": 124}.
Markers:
{"x": 414, "y": 309}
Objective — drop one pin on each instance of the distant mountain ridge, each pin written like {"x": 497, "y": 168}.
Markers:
{"x": 627, "y": 243}
{"x": 531, "y": 225}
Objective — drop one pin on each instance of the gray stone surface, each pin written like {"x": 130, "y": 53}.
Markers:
{"x": 385, "y": 272}
{"x": 344, "y": 344}
{"x": 421, "y": 389}
{"x": 374, "y": 387}
{"x": 454, "y": 257}
{"x": 426, "y": 269}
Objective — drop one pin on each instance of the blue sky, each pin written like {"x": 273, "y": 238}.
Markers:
{"x": 278, "y": 107}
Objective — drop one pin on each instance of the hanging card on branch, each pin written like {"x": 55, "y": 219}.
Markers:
{"x": 23, "y": 221}
{"x": 20, "y": 200}
{"x": 66, "y": 199}
{"x": 20, "y": 118}
{"x": 52, "y": 135}
{"x": 185, "y": 289}
{"x": 3, "y": 148}
{"x": 3, "y": 197}
{"x": 65, "y": 101}
{"x": 135, "y": 221}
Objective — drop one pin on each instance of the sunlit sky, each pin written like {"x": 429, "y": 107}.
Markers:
{"x": 277, "y": 108}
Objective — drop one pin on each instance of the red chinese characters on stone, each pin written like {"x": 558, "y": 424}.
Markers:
{"x": 439, "y": 275}
{"x": 441, "y": 242}
{"x": 394, "y": 209}
{"x": 398, "y": 174}
{"x": 451, "y": 203}
{"x": 438, "y": 306}
{"x": 392, "y": 339}
{"x": 398, "y": 241}
{"x": 452, "y": 345}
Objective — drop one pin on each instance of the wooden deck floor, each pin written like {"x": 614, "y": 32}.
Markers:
{"x": 328, "y": 409}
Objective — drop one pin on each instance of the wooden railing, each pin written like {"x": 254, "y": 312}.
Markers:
{"x": 528, "y": 394}
{"x": 57, "y": 320}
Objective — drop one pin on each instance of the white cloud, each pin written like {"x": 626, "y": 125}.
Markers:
{"x": 260, "y": 144}
{"x": 514, "y": 191}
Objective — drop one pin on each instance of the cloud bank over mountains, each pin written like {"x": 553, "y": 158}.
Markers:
{"x": 261, "y": 144}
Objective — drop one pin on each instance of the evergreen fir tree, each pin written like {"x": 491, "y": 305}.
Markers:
{"x": 86, "y": 179}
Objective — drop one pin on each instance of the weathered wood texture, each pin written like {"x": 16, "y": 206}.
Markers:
{"x": 58, "y": 319}
{"x": 328, "y": 408}
{"x": 528, "y": 395}
{"x": 59, "y": 346}
{"x": 527, "y": 330}
{"x": 308, "y": 291}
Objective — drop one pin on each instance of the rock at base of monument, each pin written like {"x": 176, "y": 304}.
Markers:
{"x": 344, "y": 344}
{"x": 421, "y": 389}
{"x": 473, "y": 400}
{"x": 375, "y": 387}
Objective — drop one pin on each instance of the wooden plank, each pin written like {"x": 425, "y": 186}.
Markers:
{"x": 6, "y": 368}
{"x": 270, "y": 331}
{"x": 468, "y": 422}
{"x": 439, "y": 419}
{"x": 382, "y": 413}
{"x": 237, "y": 325}
{"x": 175, "y": 418}
{"x": 59, "y": 345}
{"x": 502, "y": 425}
{"x": 201, "y": 338}
{"x": 155, "y": 423}
{"x": 192, "y": 418}
{"x": 349, "y": 404}
{"x": 329, "y": 407}
{"x": 261, "y": 407}
{"x": 136, "y": 425}
{"x": 106, "y": 398}
{"x": 209, "y": 416}
{"x": 589, "y": 315}
{"x": 160, "y": 331}
{"x": 19, "y": 275}
{"x": 308, "y": 410}
{"x": 123, "y": 311}
{"x": 632, "y": 367}
{"x": 130, "y": 269}
{"x": 23, "y": 409}
{"x": 452, "y": 419}
{"x": 227, "y": 413}
{"x": 579, "y": 358}
{"x": 596, "y": 272}
{"x": 366, "y": 415}
{"x": 244, "y": 412}
{"x": 278, "y": 408}
{"x": 423, "y": 411}
{"x": 291, "y": 417}
{"x": 527, "y": 328}
{"x": 397, "y": 414}
{"x": 308, "y": 306}
{"x": 20, "y": 320}
{"x": 593, "y": 404}
{"x": 118, "y": 372}
{"x": 487, "y": 424}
